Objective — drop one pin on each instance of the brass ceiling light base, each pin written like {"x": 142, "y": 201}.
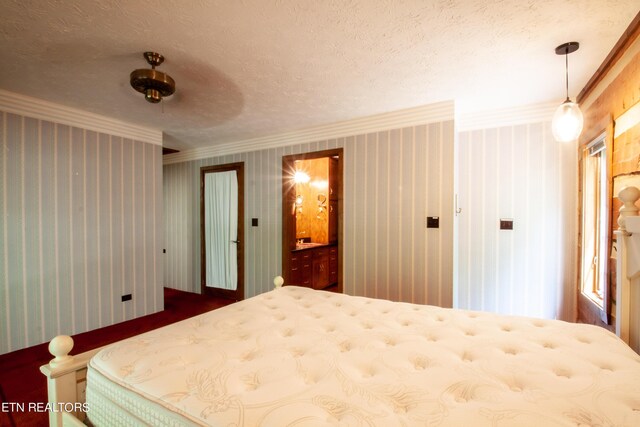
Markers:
{"x": 153, "y": 83}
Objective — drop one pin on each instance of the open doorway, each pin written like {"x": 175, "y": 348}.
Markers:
{"x": 222, "y": 230}
{"x": 312, "y": 219}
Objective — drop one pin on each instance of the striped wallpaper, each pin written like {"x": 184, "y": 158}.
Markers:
{"x": 84, "y": 216}
{"x": 262, "y": 200}
{"x": 80, "y": 225}
{"x": 517, "y": 172}
{"x": 392, "y": 181}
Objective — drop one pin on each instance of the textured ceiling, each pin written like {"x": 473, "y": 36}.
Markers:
{"x": 254, "y": 68}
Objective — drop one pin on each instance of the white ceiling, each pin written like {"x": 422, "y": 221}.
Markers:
{"x": 253, "y": 68}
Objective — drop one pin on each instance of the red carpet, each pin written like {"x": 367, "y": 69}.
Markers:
{"x": 21, "y": 381}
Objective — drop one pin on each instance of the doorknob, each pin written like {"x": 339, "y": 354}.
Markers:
{"x": 235, "y": 241}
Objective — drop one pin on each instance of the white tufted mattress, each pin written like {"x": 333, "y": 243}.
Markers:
{"x": 298, "y": 357}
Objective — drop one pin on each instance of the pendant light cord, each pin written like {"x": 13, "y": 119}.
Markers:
{"x": 566, "y": 71}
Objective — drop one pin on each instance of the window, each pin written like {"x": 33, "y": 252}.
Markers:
{"x": 594, "y": 221}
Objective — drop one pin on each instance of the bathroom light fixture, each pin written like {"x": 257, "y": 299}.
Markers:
{"x": 567, "y": 121}
{"x": 153, "y": 83}
{"x": 301, "y": 177}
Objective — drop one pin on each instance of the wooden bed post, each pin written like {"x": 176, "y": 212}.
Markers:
{"x": 278, "y": 281}
{"x": 628, "y": 260}
{"x": 66, "y": 383}
{"x": 67, "y": 379}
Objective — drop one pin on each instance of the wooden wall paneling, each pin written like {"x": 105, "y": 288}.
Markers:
{"x": 621, "y": 94}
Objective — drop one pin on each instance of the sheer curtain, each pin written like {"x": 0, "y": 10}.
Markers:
{"x": 221, "y": 229}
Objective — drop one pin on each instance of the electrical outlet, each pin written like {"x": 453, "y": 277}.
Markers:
{"x": 254, "y": 222}
{"x": 433, "y": 222}
{"x": 126, "y": 297}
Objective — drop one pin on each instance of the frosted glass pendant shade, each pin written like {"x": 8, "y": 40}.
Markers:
{"x": 567, "y": 122}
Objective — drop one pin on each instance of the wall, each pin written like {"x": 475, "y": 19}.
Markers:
{"x": 616, "y": 93}
{"x": 80, "y": 225}
{"x": 519, "y": 172}
{"x": 262, "y": 200}
{"x": 310, "y": 223}
{"x": 392, "y": 180}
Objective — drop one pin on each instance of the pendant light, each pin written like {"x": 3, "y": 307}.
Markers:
{"x": 567, "y": 121}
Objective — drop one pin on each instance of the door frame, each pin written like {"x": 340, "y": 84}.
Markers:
{"x": 288, "y": 195}
{"x": 238, "y": 294}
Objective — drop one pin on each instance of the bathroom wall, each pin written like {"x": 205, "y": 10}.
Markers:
{"x": 312, "y": 218}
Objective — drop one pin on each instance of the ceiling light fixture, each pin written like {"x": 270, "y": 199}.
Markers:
{"x": 153, "y": 83}
{"x": 567, "y": 121}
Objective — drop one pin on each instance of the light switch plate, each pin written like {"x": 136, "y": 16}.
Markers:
{"x": 433, "y": 222}
{"x": 506, "y": 224}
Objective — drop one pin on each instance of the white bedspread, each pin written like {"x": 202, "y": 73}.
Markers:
{"x": 298, "y": 357}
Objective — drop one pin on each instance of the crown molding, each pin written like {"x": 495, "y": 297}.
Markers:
{"x": 44, "y": 110}
{"x": 505, "y": 117}
{"x": 441, "y": 111}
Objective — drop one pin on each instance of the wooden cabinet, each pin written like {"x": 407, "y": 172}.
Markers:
{"x": 300, "y": 264}
{"x": 335, "y": 183}
{"x": 333, "y": 221}
{"x": 333, "y": 264}
{"x": 315, "y": 268}
{"x": 334, "y": 178}
{"x": 320, "y": 263}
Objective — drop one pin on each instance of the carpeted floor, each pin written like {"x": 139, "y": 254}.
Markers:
{"x": 21, "y": 381}
{"x": 6, "y": 417}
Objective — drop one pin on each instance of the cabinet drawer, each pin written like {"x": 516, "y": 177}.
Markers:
{"x": 300, "y": 256}
{"x": 333, "y": 265}
{"x": 333, "y": 276}
{"x": 301, "y": 276}
{"x": 333, "y": 258}
{"x": 322, "y": 252}
{"x": 300, "y": 268}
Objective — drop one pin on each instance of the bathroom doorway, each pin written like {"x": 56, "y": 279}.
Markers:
{"x": 312, "y": 219}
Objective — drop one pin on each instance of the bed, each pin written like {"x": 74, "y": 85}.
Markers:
{"x": 295, "y": 356}
{"x": 299, "y": 357}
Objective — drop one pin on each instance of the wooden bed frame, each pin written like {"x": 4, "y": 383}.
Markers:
{"x": 67, "y": 379}
{"x": 66, "y": 382}
{"x": 627, "y": 265}
{"x": 66, "y": 374}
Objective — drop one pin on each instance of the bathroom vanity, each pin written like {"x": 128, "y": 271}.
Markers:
{"x": 312, "y": 188}
{"x": 314, "y": 266}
